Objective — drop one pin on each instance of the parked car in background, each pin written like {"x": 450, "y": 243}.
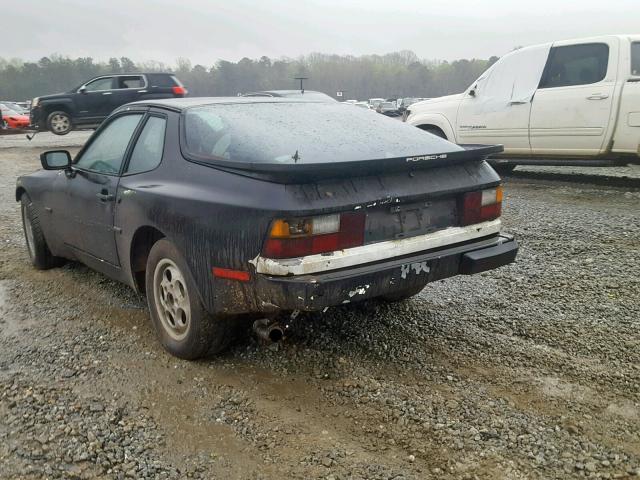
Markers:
{"x": 362, "y": 105}
{"x": 223, "y": 206}
{"x": 573, "y": 102}
{"x": 388, "y": 108}
{"x": 300, "y": 94}
{"x": 13, "y": 120}
{"x": 374, "y": 102}
{"x": 17, "y": 107}
{"x": 87, "y": 105}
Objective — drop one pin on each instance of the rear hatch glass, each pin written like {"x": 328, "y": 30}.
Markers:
{"x": 292, "y": 133}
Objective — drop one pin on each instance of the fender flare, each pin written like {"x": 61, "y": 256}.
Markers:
{"x": 435, "y": 119}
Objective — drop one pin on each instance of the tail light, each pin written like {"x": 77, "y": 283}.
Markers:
{"x": 179, "y": 90}
{"x": 297, "y": 237}
{"x": 481, "y": 206}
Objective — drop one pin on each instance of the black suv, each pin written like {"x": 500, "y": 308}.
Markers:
{"x": 89, "y": 104}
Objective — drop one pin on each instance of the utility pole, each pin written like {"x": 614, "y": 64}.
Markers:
{"x": 302, "y": 79}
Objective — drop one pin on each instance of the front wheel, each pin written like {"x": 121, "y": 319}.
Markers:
{"x": 59, "y": 123}
{"x": 39, "y": 252}
{"x": 181, "y": 322}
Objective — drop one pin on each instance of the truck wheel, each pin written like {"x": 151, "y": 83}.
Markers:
{"x": 39, "y": 252}
{"x": 59, "y": 122}
{"x": 185, "y": 329}
{"x": 402, "y": 294}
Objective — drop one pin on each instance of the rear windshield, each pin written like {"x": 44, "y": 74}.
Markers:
{"x": 301, "y": 133}
{"x": 635, "y": 58}
{"x": 162, "y": 80}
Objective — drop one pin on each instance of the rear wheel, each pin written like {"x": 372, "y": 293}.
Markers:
{"x": 181, "y": 322}
{"x": 402, "y": 294}
{"x": 59, "y": 122}
{"x": 39, "y": 252}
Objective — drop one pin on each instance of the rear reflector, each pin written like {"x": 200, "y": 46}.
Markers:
{"x": 308, "y": 236}
{"x": 179, "y": 90}
{"x": 239, "y": 275}
{"x": 481, "y": 206}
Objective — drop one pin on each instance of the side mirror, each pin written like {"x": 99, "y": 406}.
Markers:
{"x": 82, "y": 90}
{"x": 55, "y": 160}
{"x": 472, "y": 92}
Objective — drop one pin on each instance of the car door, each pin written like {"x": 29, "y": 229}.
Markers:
{"x": 572, "y": 106}
{"x": 87, "y": 220}
{"x": 127, "y": 88}
{"x": 627, "y": 132}
{"x": 93, "y": 100}
{"x": 496, "y": 108}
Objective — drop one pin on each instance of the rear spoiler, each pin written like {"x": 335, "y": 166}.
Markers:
{"x": 307, "y": 173}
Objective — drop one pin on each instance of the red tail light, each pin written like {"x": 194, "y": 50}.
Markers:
{"x": 307, "y": 236}
{"x": 481, "y": 206}
{"x": 179, "y": 90}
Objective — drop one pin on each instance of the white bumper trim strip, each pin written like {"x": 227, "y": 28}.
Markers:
{"x": 373, "y": 252}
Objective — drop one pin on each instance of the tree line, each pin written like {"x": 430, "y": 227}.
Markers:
{"x": 398, "y": 74}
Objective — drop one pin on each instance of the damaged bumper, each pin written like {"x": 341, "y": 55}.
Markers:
{"x": 317, "y": 291}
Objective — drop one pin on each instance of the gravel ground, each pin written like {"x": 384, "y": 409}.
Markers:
{"x": 528, "y": 372}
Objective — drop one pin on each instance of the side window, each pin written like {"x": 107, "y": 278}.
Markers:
{"x": 99, "y": 84}
{"x": 107, "y": 150}
{"x": 635, "y": 58}
{"x": 147, "y": 153}
{"x": 134, "y": 81}
{"x": 576, "y": 65}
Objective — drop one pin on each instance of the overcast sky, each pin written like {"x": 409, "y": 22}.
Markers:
{"x": 207, "y": 30}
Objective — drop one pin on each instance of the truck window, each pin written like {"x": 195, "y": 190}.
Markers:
{"x": 635, "y": 58}
{"x": 576, "y": 65}
{"x": 133, "y": 81}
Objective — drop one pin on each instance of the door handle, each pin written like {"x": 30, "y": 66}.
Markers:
{"x": 107, "y": 93}
{"x": 105, "y": 196}
{"x": 597, "y": 96}
{"x": 518, "y": 102}
{"x": 142, "y": 91}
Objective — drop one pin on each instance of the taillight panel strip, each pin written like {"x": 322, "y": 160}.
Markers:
{"x": 373, "y": 252}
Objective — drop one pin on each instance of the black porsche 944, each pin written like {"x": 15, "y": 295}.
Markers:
{"x": 216, "y": 207}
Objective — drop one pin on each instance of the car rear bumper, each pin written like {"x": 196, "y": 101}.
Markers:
{"x": 314, "y": 292}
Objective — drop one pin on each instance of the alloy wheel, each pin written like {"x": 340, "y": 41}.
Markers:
{"x": 172, "y": 299}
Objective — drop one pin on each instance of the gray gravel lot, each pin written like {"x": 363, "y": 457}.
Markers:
{"x": 528, "y": 372}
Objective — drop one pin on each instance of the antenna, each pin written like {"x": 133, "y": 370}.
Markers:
{"x": 302, "y": 79}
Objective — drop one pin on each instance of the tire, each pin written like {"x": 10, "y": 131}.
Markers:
{"x": 59, "y": 122}
{"x": 183, "y": 326}
{"x": 403, "y": 294}
{"x": 39, "y": 252}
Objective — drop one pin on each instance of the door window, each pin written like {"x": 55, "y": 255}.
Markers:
{"x": 147, "y": 153}
{"x": 133, "y": 81}
{"x": 576, "y": 65}
{"x": 99, "y": 84}
{"x": 106, "y": 152}
{"x": 635, "y": 58}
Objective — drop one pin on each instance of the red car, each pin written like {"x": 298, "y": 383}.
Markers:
{"x": 14, "y": 119}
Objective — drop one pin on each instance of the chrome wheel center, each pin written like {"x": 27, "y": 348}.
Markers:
{"x": 172, "y": 299}
{"x": 60, "y": 123}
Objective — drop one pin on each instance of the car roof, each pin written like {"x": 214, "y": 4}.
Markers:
{"x": 188, "y": 102}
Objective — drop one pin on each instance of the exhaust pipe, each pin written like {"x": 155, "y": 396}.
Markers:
{"x": 268, "y": 331}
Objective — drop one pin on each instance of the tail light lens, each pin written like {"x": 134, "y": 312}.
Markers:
{"x": 481, "y": 206}
{"x": 297, "y": 237}
{"x": 179, "y": 90}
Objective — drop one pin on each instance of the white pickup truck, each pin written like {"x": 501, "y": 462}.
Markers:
{"x": 574, "y": 102}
